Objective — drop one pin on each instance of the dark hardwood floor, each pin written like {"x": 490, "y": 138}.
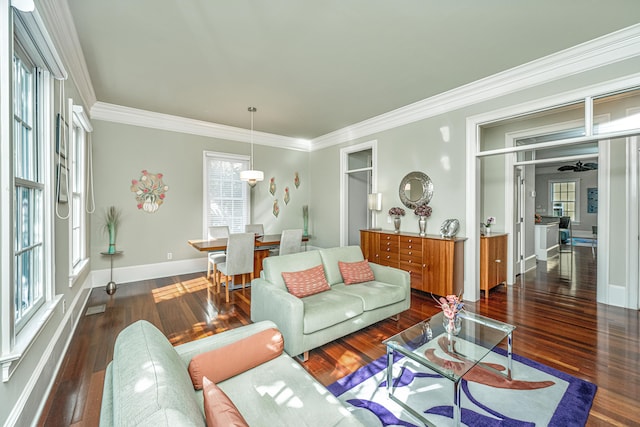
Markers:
{"x": 558, "y": 324}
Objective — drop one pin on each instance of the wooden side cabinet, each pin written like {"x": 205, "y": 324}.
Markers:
{"x": 493, "y": 261}
{"x": 435, "y": 264}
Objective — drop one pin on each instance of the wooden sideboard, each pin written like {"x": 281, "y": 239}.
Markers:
{"x": 436, "y": 264}
{"x": 493, "y": 261}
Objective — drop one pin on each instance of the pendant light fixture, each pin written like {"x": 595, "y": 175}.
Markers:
{"x": 252, "y": 176}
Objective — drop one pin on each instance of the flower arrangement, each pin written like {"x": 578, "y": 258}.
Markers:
{"x": 423, "y": 210}
{"x": 396, "y": 211}
{"x": 451, "y": 305}
{"x": 490, "y": 220}
{"x": 538, "y": 218}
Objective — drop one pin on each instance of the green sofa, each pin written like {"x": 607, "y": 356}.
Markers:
{"x": 312, "y": 321}
{"x": 148, "y": 384}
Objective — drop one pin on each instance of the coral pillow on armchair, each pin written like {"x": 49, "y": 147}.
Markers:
{"x": 355, "y": 272}
{"x": 306, "y": 282}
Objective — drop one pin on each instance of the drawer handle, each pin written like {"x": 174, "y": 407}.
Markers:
{"x": 498, "y": 260}
{"x": 410, "y": 261}
{"x": 410, "y": 253}
{"x": 410, "y": 246}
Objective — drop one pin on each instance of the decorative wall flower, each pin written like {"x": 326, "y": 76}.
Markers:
{"x": 286, "y": 196}
{"x": 276, "y": 208}
{"x": 149, "y": 190}
{"x": 272, "y": 186}
{"x": 296, "y": 180}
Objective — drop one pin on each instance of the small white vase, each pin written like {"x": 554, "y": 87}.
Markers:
{"x": 396, "y": 223}
{"x": 487, "y": 231}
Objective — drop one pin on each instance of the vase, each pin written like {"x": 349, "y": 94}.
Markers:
{"x": 452, "y": 326}
{"x": 305, "y": 220}
{"x": 112, "y": 238}
{"x": 422, "y": 225}
{"x": 396, "y": 223}
{"x": 487, "y": 231}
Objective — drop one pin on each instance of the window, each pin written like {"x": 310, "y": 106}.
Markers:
{"x": 226, "y": 198}
{"x": 563, "y": 198}
{"x": 28, "y": 219}
{"x": 78, "y": 232}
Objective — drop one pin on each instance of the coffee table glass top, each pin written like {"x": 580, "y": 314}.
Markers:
{"x": 449, "y": 355}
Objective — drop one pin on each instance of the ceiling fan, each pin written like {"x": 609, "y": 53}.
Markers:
{"x": 579, "y": 167}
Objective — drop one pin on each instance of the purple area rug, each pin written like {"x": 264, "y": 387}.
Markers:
{"x": 537, "y": 395}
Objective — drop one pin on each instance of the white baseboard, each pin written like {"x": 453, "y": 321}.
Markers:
{"x": 137, "y": 273}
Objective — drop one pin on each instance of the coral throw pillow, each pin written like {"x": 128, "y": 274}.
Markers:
{"x": 237, "y": 357}
{"x": 219, "y": 410}
{"x": 355, "y": 272}
{"x": 306, "y": 282}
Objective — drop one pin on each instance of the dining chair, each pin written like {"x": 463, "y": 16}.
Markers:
{"x": 254, "y": 228}
{"x": 594, "y": 239}
{"x": 215, "y": 258}
{"x": 290, "y": 241}
{"x": 240, "y": 247}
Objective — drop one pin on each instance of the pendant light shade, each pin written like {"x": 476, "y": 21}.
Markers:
{"x": 252, "y": 176}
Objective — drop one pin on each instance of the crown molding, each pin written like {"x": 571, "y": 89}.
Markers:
{"x": 62, "y": 29}
{"x": 136, "y": 117}
{"x": 617, "y": 46}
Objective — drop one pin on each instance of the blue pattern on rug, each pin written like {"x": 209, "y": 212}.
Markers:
{"x": 571, "y": 409}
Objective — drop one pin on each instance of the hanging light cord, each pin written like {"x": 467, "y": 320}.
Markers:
{"x": 253, "y": 110}
{"x": 62, "y": 145}
{"x": 90, "y": 205}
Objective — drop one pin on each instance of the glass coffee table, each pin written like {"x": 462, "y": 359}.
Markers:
{"x": 452, "y": 356}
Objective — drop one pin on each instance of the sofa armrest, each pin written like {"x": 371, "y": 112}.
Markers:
{"x": 106, "y": 407}
{"x": 391, "y": 275}
{"x": 188, "y": 350}
{"x": 271, "y": 302}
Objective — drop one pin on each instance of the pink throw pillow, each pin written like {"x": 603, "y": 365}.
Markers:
{"x": 355, "y": 272}
{"x": 235, "y": 358}
{"x": 306, "y": 282}
{"x": 219, "y": 410}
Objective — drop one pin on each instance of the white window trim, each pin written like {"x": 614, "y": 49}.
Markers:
{"x": 232, "y": 157}
{"x": 552, "y": 181}
{"x": 79, "y": 118}
{"x": 32, "y": 34}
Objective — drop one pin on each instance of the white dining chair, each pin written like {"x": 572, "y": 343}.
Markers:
{"x": 217, "y": 257}
{"x": 290, "y": 241}
{"x": 240, "y": 247}
{"x": 254, "y": 228}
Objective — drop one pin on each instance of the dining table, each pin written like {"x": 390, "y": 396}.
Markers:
{"x": 264, "y": 243}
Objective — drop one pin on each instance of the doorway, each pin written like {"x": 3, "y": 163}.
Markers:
{"x": 358, "y": 171}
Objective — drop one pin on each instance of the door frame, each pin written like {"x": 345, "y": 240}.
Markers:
{"x": 344, "y": 181}
{"x": 473, "y": 181}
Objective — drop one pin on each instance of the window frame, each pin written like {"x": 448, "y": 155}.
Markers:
{"x": 78, "y": 137}
{"x": 246, "y": 193}
{"x": 576, "y": 181}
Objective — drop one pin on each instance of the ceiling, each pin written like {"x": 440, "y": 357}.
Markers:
{"x": 313, "y": 67}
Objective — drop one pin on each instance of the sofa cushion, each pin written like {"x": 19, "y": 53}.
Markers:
{"x": 237, "y": 357}
{"x": 306, "y": 282}
{"x": 273, "y": 266}
{"x": 219, "y": 410}
{"x": 373, "y": 294}
{"x": 150, "y": 381}
{"x": 331, "y": 256}
{"x": 355, "y": 272}
{"x": 282, "y": 393}
{"x": 327, "y": 309}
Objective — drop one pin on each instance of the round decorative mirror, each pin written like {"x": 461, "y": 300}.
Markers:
{"x": 416, "y": 189}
